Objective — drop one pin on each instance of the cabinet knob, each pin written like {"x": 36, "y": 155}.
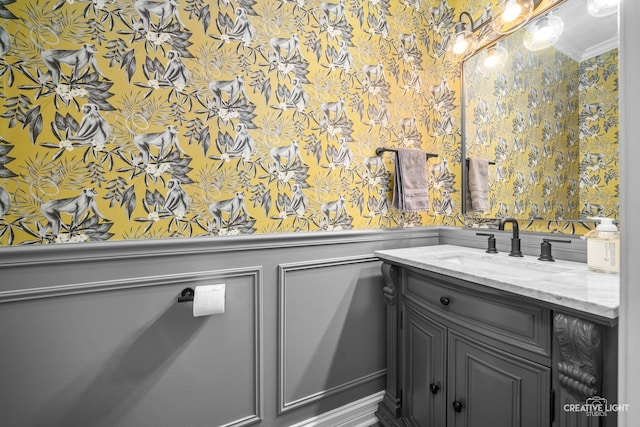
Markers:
{"x": 434, "y": 388}
{"x": 457, "y": 406}
{"x": 444, "y": 301}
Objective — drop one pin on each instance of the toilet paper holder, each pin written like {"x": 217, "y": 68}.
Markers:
{"x": 186, "y": 295}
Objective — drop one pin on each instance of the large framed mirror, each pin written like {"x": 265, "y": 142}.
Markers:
{"x": 546, "y": 116}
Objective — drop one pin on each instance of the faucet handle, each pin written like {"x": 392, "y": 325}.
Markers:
{"x": 545, "y": 248}
{"x": 491, "y": 242}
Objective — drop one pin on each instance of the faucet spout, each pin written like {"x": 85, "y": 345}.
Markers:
{"x": 514, "y": 226}
{"x": 515, "y": 239}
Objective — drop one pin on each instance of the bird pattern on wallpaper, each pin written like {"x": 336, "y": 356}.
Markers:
{"x": 599, "y": 164}
{"x": 553, "y": 135}
{"x": 159, "y": 118}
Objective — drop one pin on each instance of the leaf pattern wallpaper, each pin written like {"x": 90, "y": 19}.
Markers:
{"x": 527, "y": 126}
{"x": 151, "y": 119}
{"x": 599, "y": 132}
{"x": 553, "y": 133}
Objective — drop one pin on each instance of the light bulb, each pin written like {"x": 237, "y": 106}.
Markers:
{"x": 511, "y": 12}
{"x": 544, "y": 32}
{"x": 491, "y": 61}
{"x": 599, "y": 8}
{"x": 496, "y": 57}
{"x": 460, "y": 45}
{"x": 511, "y": 15}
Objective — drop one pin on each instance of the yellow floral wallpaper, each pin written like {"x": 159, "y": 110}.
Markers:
{"x": 524, "y": 116}
{"x": 161, "y": 118}
{"x": 599, "y": 126}
{"x": 551, "y": 126}
{"x": 156, "y": 118}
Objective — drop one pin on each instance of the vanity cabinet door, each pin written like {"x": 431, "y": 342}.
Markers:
{"x": 424, "y": 392}
{"x": 492, "y": 388}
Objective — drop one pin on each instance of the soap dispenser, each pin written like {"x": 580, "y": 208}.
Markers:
{"x": 603, "y": 247}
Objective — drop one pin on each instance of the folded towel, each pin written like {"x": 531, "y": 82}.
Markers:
{"x": 410, "y": 192}
{"x": 478, "y": 185}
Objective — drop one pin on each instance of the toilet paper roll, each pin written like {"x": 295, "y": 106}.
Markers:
{"x": 208, "y": 300}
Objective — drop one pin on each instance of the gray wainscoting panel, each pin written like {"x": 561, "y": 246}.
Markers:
{"x": 91, "y": 334}
{"x": 127, "y": 354}
{"x": 331, "y": 318}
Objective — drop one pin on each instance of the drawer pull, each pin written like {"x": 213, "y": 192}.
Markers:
{"x": 434, "y": 388}
{"x": 444, "y": 301}
{"x": 457, "y": 406}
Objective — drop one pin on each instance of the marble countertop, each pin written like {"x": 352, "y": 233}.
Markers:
{"x": 563, "y": 283}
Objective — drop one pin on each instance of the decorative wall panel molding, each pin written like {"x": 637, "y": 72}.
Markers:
{"x": 117, "y": 353}
{"x": 320, "y": 295}
{"x": 71, "y": 306}
{"x": 191, "y": 279}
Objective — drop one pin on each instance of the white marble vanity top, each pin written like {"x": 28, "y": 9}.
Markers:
{"x": 563, "y": 283}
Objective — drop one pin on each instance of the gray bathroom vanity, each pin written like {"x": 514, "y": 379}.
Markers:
{"x": 488, "y": 340}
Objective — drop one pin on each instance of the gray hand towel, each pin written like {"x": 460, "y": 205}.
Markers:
{"x": 477, "y": 199}
{"x": 410, "y": 192}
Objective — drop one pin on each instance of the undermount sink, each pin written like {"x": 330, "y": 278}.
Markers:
{"x": 500, "y": 266}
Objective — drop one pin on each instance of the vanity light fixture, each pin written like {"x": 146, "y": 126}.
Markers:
{"x": 509, "y": 15}
{"x": 495, "y": 57}
{"x": 599, "y": 8}
{"x": 464, "y": 42}
{"x": 543, "y": 32}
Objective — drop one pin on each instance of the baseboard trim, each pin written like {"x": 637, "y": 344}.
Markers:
{"x": 360, "y": 413}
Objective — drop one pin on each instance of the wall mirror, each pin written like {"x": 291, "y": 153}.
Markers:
{"x": 544, "y": 111}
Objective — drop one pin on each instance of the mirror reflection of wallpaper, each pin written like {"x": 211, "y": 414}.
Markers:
{"x": 551, "y": 126}
{"x": 599, "y": 127}
{"x": 523, "y": 119}
{"x": 157, "y": 119}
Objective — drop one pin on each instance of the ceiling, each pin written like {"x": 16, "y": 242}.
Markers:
{"x": 585, "y": 36}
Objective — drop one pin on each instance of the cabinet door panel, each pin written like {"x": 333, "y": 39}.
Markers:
{"x": 495, "y": 388}
{"x": 425, "y": 382}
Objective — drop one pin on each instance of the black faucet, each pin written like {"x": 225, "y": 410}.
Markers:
{"x": 515, "y": 240}
{"x": 545, "y": 249}
{"x": 491, "y": 243}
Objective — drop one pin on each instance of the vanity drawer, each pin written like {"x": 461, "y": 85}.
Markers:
{"x": 488, "y": 311}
